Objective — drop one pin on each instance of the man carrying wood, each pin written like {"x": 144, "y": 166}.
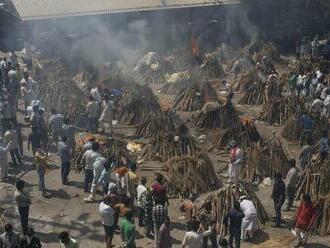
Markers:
{"x": 235, "y": 160}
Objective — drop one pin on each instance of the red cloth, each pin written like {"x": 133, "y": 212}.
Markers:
{"x": 305, "y": 216}
{"x": 159, "y": 191}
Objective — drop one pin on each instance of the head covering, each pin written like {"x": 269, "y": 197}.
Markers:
{"x": 243, "y": 197}
{"x": 122, "y": 171}
{"x": 232, "y": 143}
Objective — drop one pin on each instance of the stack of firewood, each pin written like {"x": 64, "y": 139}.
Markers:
{"x": 222, "y": 201}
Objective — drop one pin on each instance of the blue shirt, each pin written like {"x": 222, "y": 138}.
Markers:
{"x": 64, "y": 152}
{"x": 307, "y": 122}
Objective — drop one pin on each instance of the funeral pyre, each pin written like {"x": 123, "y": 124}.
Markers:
{"x": 168, "y": 145}
{"x": 245, "y": 134}
{"x": 265, "y": 160}
{"x": 159, "y": 123}
{"x": 135, "y": 105}
{"x": 215, "y": 115}
{"x": 222, "y": 201}
{"x": 194, "y": 97}
{"x": 190, "y": 174}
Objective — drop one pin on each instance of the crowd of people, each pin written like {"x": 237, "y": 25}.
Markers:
{"x": 125, "y": 194}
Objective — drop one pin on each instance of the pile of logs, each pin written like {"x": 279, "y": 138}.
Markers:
{"x": 110, "y": 148}
{"x": 246, "y": 80}
{"x": 212, "y": 67}
{"x": 257, "y": 49}
{"x": 245, "y": 134}
{"x": 54, "y": 83}
{"x": 194, "y": 97}
{"x": 222, "y": 201}
{"x": 175, "y": 83}
{"x": 279, "y": 110}
{"x": 264, "y": 161}
{"x": 190, "y": 174}
{"x": 255, "y": 94}
{"x": 291, "y": 130}
{"x": 136, "y": 104}
{"x": 165, "y": 146}
{"x": 214, "y": 115}
{"x": 161, "y": 122}
{"x": 321, "y": 225}
{"x": 315, "y": 179}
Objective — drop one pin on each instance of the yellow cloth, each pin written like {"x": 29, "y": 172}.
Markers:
{"x": 41, "y": 161}
{"x": 133, "y": 181}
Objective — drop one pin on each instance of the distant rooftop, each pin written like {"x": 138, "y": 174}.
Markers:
{"x": 48, "y": 9}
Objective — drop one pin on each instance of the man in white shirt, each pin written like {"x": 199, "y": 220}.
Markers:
{"x": 250, "y": 221}
{"x": 3, "y": 162}
{"x": 96, "y": 93}
{"x": 92, "y": 112}
{"x": 89, "y": 157}
{"x": 12, "y": 139}
{"x": 193, "y": 238}
{"x": 98, "y": 167}
{"x": 141, "y": 190}
{"x": 108, "y": 219}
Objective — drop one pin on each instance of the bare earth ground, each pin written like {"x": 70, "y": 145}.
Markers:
{"x": 66, "y": 210}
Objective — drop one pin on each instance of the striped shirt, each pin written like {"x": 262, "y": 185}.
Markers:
{"x": 55, "y": 122}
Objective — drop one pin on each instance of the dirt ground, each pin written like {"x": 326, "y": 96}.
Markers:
{"x": 66, "y": 210}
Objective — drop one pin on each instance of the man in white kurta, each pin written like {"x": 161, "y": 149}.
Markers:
{"x": 250, "y": 221}
{"x": 235, "y": 160}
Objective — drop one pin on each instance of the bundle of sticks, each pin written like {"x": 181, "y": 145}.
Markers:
{"x": 315, "y": 179}
{"x": 246, "y": 79}
{"x": 165, "y": 146}
{"x": 291, "y": 130}
{"x": 190, "y": 174}
{"x": 265, "y": 160}
{"x": 194, "y": 97}
{"x": 255, "y": 94}
{"x": 161, "y": 122}
{"x": 173, "y": 88}
{"x": 136, "y": 104}
{"x": 258, "y": 49}
{"x": 245, "y": 134}
{"x": 111, "y": 148}
{"x": 54, "y": 82}
{"x": 222, "y": 201}
{"x": 212, "y": 67}
{"x": 280, "y": 109}
{"x": 321, "y": 224}
{"x": 214, "y": 115}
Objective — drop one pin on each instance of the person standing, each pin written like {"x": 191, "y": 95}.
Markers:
{"x": 105, "y": 177}
{"x": 159, "y": 212}
{"x": 159, "y": 191}
{"x": 55, "y": 123}
{"x": 133, "y": 182}
{"x": 306, "y": 215}
{"x": 307, "y": 127}
{"x": 107, "y": 216}
{"x": 92, "y": 112}
{"x": 235, "y": 217}
{"x": 3, "y": 161}
{"x": 96, "y": 93}
{"x": 305, "y": 155}
{"x": 148, "y": 202}
{"x": 89, "y": 158}
{"x": 42, "y": 166}
{"x": 33, "y": 140}
{"x": 291, "y": 181}
{"x": 121, "y": 180}
{"x": 324, "y": 145}
{"x": 26, "y": 95}
{"x": 98, "y": 168}
{"x": 235, "y": 160}
{"x": 141, "y": 191}
{"x": 189, "y": 209}
{"x": 107, "y": 113}
{"x": 23, "y": 201}
{"x": 69, "y": 131}
{"x": 9, "y": 239}
{"x": 278, "y": 197}
{"x": 66, "y": 241}
{"x": 250, "y": 220}
{"x": 64, "y": 154}
{"x": 12, "y": 139}
{"x": 127, "y": 230}
{"x": 208, "y": 224}
{"x": 164, "y": 234}
{"x": 30, "y": 240}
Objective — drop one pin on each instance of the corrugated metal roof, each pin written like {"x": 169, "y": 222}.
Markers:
{"x": 48, "y": 9}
